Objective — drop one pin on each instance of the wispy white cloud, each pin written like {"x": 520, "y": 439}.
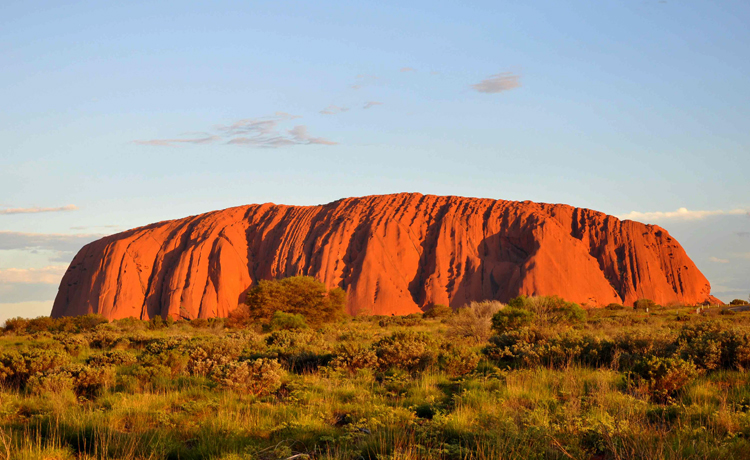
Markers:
{"x": 497, "y": 83}
{"x": 36, "y": 210}
{"x": 47, "y": 275}
{"x": 718, "y": 261}
{"x": 45, "y": 241}
{"x": 333, "y": 109}
{"x": 680, "y": 214}
{"x": 173, "y": 142}
{"x": 407, "y": 69}
{"x": 742, "y": 255}
{"x": 371, "y": 104}
{"x": 263, "y": 132}
{"x": 300, "y": 135}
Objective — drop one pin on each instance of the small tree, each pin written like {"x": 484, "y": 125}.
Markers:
{"x": 302, "y": 295}
{"x": 644, "y": 304}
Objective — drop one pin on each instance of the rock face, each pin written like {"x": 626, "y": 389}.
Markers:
{"x": 393, "y": 254}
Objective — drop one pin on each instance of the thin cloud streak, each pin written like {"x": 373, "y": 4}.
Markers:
{"x": 407, "y": 69}
{"x": 174, "y": 142}
{"x": 333, "y": 109}
{"x": 498, "y": 83}
{"x": 264, "y": 132}
{"x": 36, "y": 210}
{"x": 300, "y": 135}
{"x": 681, "y": 214}
{"x": 718, "y": 261}
{"x": 372, "y": 104}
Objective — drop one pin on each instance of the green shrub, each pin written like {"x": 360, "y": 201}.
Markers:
{"x": 735, "y": 349}
{"x": 701, "y": 344}
{"x": 551, "y": 309}
{"x": 151, "y": 376}
{"x": 632, "y": 346}
{"x": 301, "y": 295}
{"x": 289, "y": 341}
{"x": 457, "y": 361}
{"x": 107, "y": 340}
{"x": 664, "y": 378}
{"x": 90, "y": 381}
{"x": 199, "y": 323}
{"x": 516, "y": 347}
{"x": 510, "y": 319}
{"x": 287, "y": 321}
{"x": 73, "y": 344}
{"x": 474, "y": 320}
{"x": 738, "y": 302}
{"x": 614, "y": 307}
{"x": 54, "y": 383}
{"x": 413, "y": 319}
{"x": 438, "y": 311}
{"x": 353, "y": 356}
{"x": 410, "y": 351}
{"x": 258, "y": 377}
{"x": 518, "y": 302}
{"x": 161, "y": 345}
{"x": 16, "y": 367}
{"x": 16, "y": 325}
{"x": 206, "y": 357}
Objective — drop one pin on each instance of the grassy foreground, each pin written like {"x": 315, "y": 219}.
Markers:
{"x": 615, "y": 384}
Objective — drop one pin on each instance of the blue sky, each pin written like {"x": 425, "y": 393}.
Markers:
{"x": 144, "y": 111}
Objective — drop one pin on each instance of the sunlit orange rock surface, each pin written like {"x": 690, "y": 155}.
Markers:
{"x": 393, "y": 254}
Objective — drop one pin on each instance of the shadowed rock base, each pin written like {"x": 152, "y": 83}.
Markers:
{"x": 393, "y": 254}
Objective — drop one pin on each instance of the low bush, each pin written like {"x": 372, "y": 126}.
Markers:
{"x": 438, "y": 311}
{"x": 353, "y": 356}
{"x": 47, "y": 384}
{"x": 16, "y": 367}
{"x": 511, "y": 319}
{"x": 74, "y": 345}
{"x": 664, "y": 378}
{"x": 414, "y": 319}
{"x": 410, "y": 351}
{"x": 105, "y": 340}
{"x": 457, "y": 361}
{"x": 550, "y": 309}
{"x": 258, "y": 377}
{"x": 287, "y": 321}
{"x": 474, "y": 320}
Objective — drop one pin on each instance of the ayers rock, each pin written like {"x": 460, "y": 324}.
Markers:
{"x": 393, "y": 254}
